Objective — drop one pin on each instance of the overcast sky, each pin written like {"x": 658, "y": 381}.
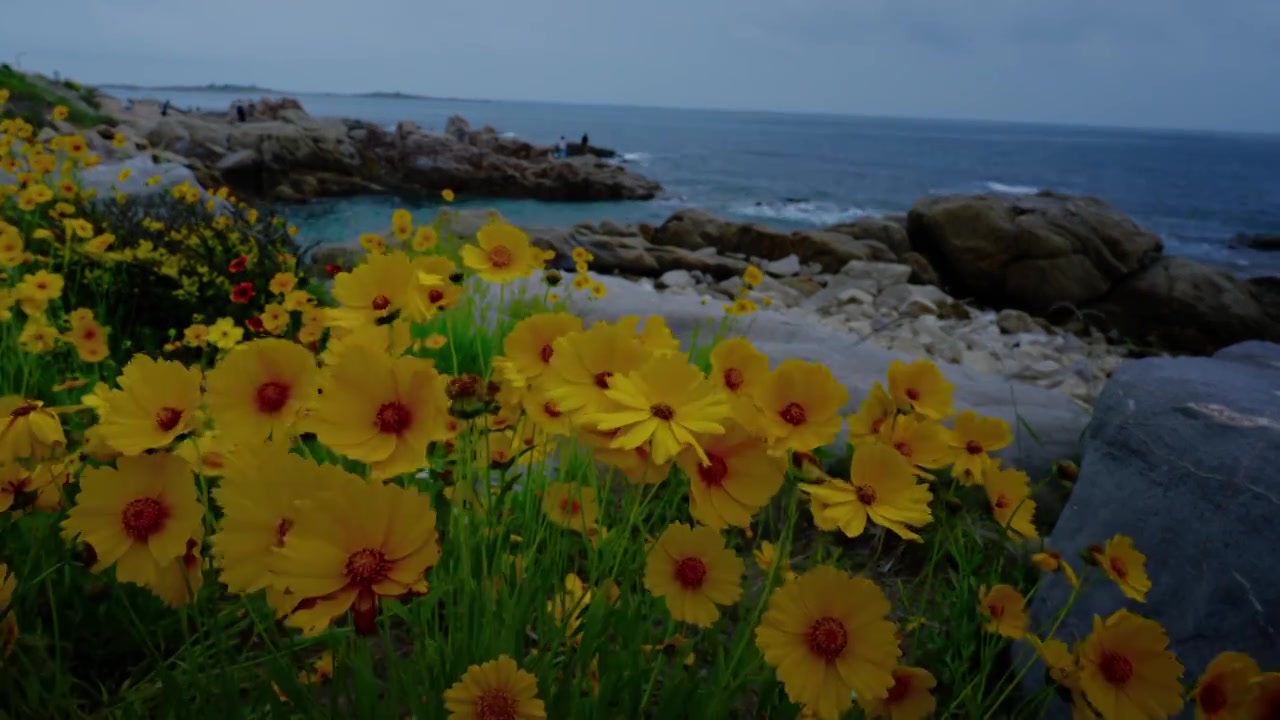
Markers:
{"x": 1148, "y": 63}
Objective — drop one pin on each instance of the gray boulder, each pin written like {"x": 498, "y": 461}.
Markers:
{"x": 1181, "y": 456}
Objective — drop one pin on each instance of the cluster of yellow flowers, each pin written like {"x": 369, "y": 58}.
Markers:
{"x": 322, "y": 453}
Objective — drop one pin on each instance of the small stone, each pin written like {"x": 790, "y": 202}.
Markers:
{"x": 980, "y": 360}
{"x": 855, "y": 295}
{"x": 913, "y": 300}
{"x": 1011, "y": 321}
{"x": 882, "y": 273}
{"x": 676, "y": 280}
{"x": 784, "y": 267}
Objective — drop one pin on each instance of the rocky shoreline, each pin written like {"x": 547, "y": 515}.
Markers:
{"x": 1051, "y": 290}
{"x": 282, "y": 153}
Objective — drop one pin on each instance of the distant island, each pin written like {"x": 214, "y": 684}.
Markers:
{"x": 254, "y": 90}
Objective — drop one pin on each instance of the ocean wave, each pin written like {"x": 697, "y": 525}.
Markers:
{"x": 507, "y": 135}
{"x": 634, "y": 157}
{"x": 1000, "y": 187}
{"x": 807, "y": 212}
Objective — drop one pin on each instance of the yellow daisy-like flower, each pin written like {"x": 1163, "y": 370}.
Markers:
{"x": 910, "y": 698}
{"x": 137, "y": 516}
{"x": 402, "y": 224}
{"x": 1005, "y": 610}
{"x": 447, "y": 194}
{"x": 351, "y": 545}
{"x": 571, "y": 506}
{"x": 828, "y": 636}
{"x": 1225, "y": 687}
{"x": 1127, "y": 669}
{"x": 530, "y": 345}
{"x": 28, "y": 430}
{"x": 424, "y": 239}
{"x": 881, "y": 488}
{"x": 504, "y": 253}
{"x": 259, "y": 389}
{"x": 662, "y": 405}
{"x": 583, "y": 365}
{"x": 740, "y": 369}
{"x": 739, "y": 476}
{"x": 800, "y": 403}
{"x": 974, "y": 438}
{"x": 1127, "y": 567}
{"x": 381, "y": 410}
{"x": 157, "y": 401}
{"x": 693, "y": 571}
{"x": 920, "y": 387}
{"x": 496, "y": 690}
{"x": 1009, "y": 492}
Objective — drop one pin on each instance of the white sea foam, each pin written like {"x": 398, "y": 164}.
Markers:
{"x": 1000, "y": 187}
{"x": 508, "y": 135}
{"x": 634, "y": 157}
{"x": 808, "y": 212}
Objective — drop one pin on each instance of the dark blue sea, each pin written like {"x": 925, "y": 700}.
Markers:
{"x": 1195, "y": 189}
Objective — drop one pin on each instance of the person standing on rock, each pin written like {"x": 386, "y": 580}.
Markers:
{"x": 560, "y": 148}
{"x": 585, "y": 143}
{"x": 164, "y": 109}
{"x": 240, "y": 113}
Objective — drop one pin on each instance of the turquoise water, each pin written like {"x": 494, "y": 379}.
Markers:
{"x": 790, "y": 171}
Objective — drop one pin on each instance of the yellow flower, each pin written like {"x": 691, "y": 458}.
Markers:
{"x": 1005, "y": 610}
{"x": 530, "y": 345}
{"x": 693, "y": 571}
{"x": 1051, "y": 561}
{"x": 1225, "y": 687}
{"x": 567, "y": 607}
{"x": 435, "y": 341}
{"x": 583, "y": 364}
{"x": 910, "y": 698}
{"x": 225, "y": 334}
{"x": 258, "y": 390}
{"x": 381, "y": 410}
{"x": 119, "y": 140}
{"x": 124, "y": 174}
{"x": 282, "y": 283}
{"x": 752, "y": 276}
{"x": 37, "y": 290}
{"x": 495, "y": 690}
{"x": 974, "y": 438}
{"x": 1127, "y": 669}
{"x": 350, "y": 545}
{"x": 195, "y": 335}
{"x": 383, "y": 285}
{"x": 60, "y": 113}
{"x": 881, "y": 488}
{"x": 828, "y": 636}
{"x": 261, "y": 493}
{"x": 137, "y": 516}
{"x": 90, "y": 340}
{"x": 504, "y": 253}
{"x": 157, "y": 401}
{"x": 28, "y": 430}
{"x": 734, "y": 478}
{"x": 920, "y": 387}
{"x": 921, "y": 441}
{"x": 801, "y": 403}
{"x": 662, "y": 405}
{"x": 875, "y": 410}
{"x": 402, "y": 224}
{"x": 1127, "y": 567}
{"x": 571, "y": 506}
{"x": 37, "y": 335}
{"x": 447, "y": 194}
{"x": 581, "y": 255}
{"x": 424, "y": 239}
{"x": 373, "y": 243}
{"x": 1009, "y": 492}
{"x": 1265, "y": 703}
{"x": 598, "y": 290}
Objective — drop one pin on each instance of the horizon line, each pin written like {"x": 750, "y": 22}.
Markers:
{"x": 399, "y": 94}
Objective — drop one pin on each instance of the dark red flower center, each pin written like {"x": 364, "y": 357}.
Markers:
{"x": 901, "y": 688}
{"x": 551, "y": 409}
{"x": 569, "y": 506}
{"x": 713, "y": 473}
{"x": 827, "y": 638}
{"x": 1118, "y": 567}
{"x": 793, "y": 414}
{"x": 367, "y": 567}
{"x": 546, "y": 352}
{"x": 1116, "y": 668}
{"x": 500, "y": 257}
{"x": 662, "y": 411}
{"x": 393, "y": 418}
{"x": 866, "y": 494}
{"x": 435, "y": 295}
{"x": 912, "y": 394}
{"x": 380, "y": 302}
{"x": 733, "y": 379}
{"x": 691, "y": 572}
{"x": 602, "y": 379}
{"x": 143, "y": 518}
{"x": 167, "y": 418}
{"x": 271, "y": 397}
{"x": 497, "y": 704}
{"x": 1212, "y": 697}
{"x": 973, "y": 447}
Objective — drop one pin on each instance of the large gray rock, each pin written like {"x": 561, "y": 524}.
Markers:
{"x": 1181, "y": 456}
{"x": 1055, "y": 419}
{"x": 105, "y": 178}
